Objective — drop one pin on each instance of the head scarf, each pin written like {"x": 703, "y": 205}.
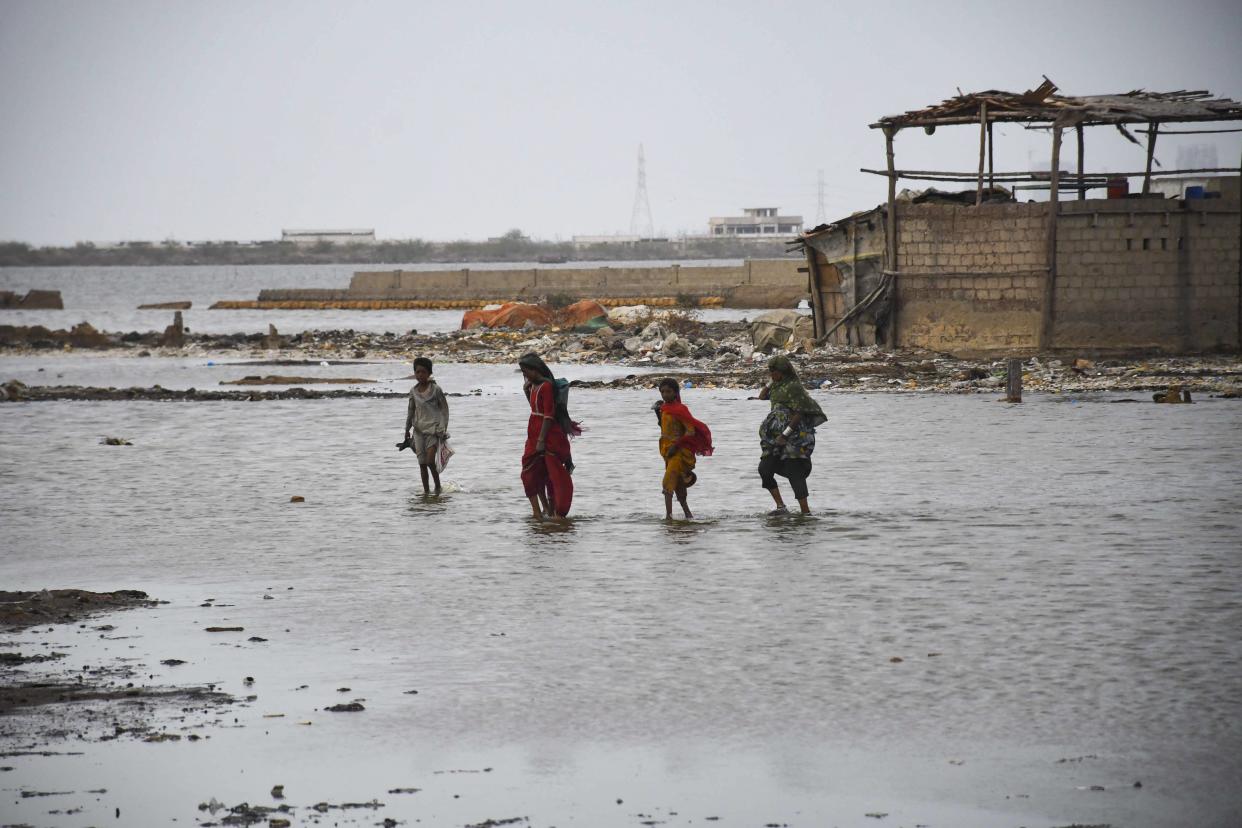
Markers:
{"x": 790, "y": 393}
{"x": 560, "y": 388}
{"x": 700, "y": 442}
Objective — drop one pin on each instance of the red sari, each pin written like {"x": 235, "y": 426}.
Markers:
{"x": 700, "y": 442}
{"x": 547, "y": 473}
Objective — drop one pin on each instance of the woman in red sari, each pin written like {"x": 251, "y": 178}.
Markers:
{"x": 546, "y": 459}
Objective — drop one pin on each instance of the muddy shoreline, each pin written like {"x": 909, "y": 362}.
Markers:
{"x": 43, "y": 702}
{"x": 713, "y": 355}
{"x": 48, "y": 711}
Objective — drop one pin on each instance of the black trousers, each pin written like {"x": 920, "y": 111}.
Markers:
{"x": 795, "y": 471}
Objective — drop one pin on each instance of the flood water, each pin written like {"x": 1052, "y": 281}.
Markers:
{"x": 1061, "y": 580}
{"x": 108, "y": 297}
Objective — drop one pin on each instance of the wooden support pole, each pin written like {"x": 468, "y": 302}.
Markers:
{"x": 991, "y": 165}
{"x": 817, "y": 296}
{"x": 890, "y": 226}
{"x": 1151, "y": 154}
{"x": 854, "y": 261}
{"x": 1013, "y": 381}
{"x": 983, "y": 145}
{"x": 1048, "y": 315}
{"x": 1082, "y": 191}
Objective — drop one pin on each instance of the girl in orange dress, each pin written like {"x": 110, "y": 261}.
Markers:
{"x": 681, "y": 438}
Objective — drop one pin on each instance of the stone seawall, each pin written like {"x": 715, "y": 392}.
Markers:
{"x": 756, "y": 283}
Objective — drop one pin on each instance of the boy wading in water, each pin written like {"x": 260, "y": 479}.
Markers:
{"x": 681, "y": 438}
{"x": 426, "y": 422}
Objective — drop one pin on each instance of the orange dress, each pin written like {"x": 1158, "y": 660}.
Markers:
{"x": 679, "y": 467}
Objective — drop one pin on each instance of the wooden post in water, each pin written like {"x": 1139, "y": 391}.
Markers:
{"x": 1013, "y": 382}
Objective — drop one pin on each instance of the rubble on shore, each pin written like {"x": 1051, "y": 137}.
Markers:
{"x": 715, "y": 354}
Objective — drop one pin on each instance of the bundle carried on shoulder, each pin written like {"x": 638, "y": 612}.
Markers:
{"x": 700, "y": 441}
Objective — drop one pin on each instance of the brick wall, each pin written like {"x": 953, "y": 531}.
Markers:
{"x": 1131, "y": 274}
{"x": 1147, "y": 274}
{"x": 971, "y": 277}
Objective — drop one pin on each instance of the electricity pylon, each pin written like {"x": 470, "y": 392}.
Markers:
{"x": 640, "y": 219}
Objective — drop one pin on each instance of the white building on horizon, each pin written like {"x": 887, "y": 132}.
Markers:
{"x": 757, "y": 222}
{"x": 330, "y": 236}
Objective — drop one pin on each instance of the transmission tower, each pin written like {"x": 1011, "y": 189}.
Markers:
{"x": 821, "y": 215}
{"x": 640, "y": 220}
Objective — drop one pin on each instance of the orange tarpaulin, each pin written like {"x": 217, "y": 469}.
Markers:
{"x": 508, "y": 315}
{"x": 581, "y": 313}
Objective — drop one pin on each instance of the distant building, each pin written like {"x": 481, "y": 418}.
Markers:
{"x": 580, "y": 242}
{"x": 330, "y": 236}
{"x": 1175, "y": 186}
{"x": 758, "y": 222}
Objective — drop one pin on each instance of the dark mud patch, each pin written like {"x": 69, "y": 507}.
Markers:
{"x": 19, "y": 610}
{"x": 13, "y": 697}
{"x": 42, "y": 701}
{"x": 283, "y": 379}
{"x": 15, "y": 391}
{"x": 17, "y": 659}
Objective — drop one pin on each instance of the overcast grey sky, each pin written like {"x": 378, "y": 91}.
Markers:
{"x": 231, "y": 120}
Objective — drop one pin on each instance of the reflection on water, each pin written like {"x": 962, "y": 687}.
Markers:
{"x": 997, "y": 586}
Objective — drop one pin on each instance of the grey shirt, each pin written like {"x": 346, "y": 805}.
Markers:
{"x": 428, "y": 412}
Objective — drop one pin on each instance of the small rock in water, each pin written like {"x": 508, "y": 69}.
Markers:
{"x": 278, "y": 792}
{"x": 297, "y": 499}
{"x": 351, "y": 707}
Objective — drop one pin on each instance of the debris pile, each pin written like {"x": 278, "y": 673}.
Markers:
{"x": 722, "y": 354}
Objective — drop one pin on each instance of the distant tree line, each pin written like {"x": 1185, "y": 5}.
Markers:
{"x": 511, "y": 247}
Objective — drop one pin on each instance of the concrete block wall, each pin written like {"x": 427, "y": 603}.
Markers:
{"x": 778, "y": 275}
{"x": 1212, "y": 305}
{"x": 971, "y": 277}
{"x": 1147, "y": 274}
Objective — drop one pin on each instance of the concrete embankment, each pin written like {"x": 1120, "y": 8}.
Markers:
{"x": 755, "y": 283}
